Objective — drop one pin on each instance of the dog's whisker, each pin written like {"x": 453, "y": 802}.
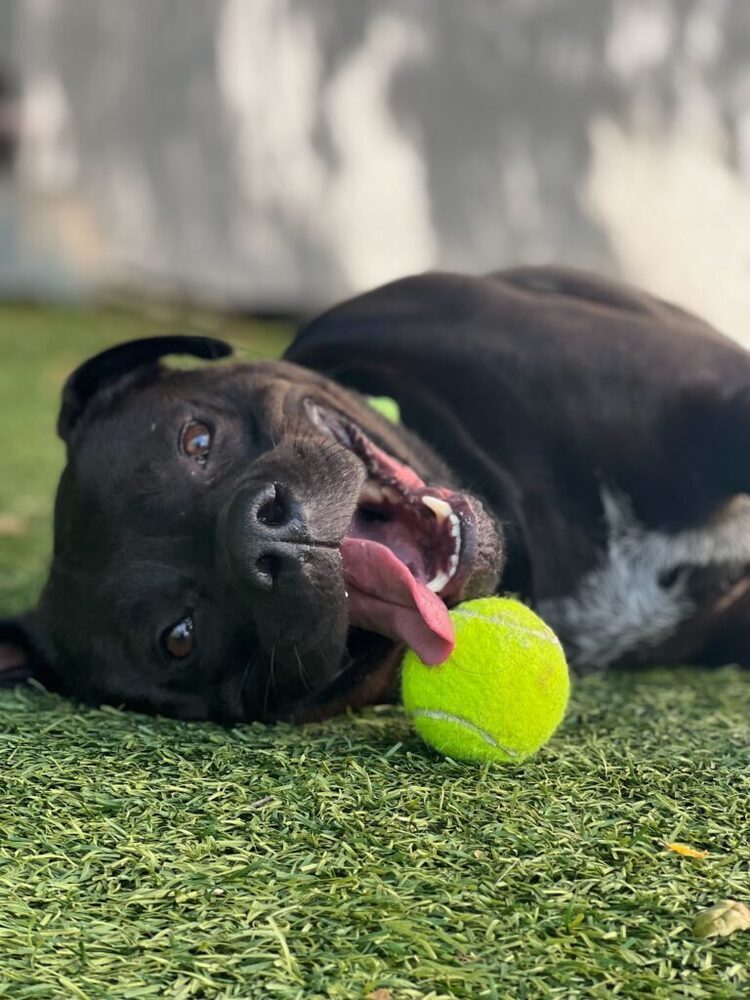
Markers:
{"x": 301, "y": 670}
{"x": 243, "y": 682}
{"x": 270, "y": 682}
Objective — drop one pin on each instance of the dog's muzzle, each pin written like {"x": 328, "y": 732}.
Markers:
{"x": 268, "y": 530}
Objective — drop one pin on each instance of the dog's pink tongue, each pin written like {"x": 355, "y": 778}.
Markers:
{"x": 385, "y": 598}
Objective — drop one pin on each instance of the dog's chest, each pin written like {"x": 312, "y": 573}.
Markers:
{"x": 640, "y": 592}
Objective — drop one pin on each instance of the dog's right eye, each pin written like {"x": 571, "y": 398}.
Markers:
{"x": 195, "y": 441}
{"x": 178, "y": 640}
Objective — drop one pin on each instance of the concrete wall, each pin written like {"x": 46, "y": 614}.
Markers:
{"x": 284, "y": 153}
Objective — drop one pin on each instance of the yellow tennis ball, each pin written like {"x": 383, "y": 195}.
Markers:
{"x": 387, "y": 407}
{"x": 501, "y": 694}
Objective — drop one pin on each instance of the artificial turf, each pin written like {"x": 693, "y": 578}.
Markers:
{"x": 143, "y": 857}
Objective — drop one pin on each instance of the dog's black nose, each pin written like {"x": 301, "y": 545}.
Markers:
{"x": 265, "y": 526}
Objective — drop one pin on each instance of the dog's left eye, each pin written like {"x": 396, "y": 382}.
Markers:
{"x": 195, "y": 441}
{"x": 178, "y": 640}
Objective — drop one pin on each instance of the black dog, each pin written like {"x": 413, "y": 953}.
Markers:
{"x": 254, "y": 541}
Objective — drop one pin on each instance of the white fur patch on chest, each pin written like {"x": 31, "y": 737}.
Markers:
{"x": 621, "y": 605}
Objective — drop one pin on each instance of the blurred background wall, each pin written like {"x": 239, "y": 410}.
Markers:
{"x": 280, "y": 154}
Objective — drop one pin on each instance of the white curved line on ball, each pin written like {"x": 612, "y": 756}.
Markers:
{"x": 433, "y": 713}
{"x": 507, "y": 621}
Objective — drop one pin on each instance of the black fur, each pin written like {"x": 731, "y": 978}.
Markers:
{"x": 532, "y": 390}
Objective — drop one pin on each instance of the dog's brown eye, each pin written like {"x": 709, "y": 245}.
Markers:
{"x": 178, "y": 640}
{"x": 196, "y": 442}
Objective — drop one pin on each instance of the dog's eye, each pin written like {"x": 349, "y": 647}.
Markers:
{"x": 195, "y": 441}
{"x": 178, "y": 640}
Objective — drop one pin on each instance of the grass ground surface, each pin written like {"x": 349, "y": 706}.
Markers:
{"x": 142, "y": 858}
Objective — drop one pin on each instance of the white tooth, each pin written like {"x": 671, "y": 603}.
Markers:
{"x": 439, "y": 508}
{"x": 372, "y": 492}
{"x": 456, "y": 535}
{"x": 391, "y": 494}
{"x": 437, "y": 583}
{"x": 442, "y": 579}
{"x": 317, "y": 416}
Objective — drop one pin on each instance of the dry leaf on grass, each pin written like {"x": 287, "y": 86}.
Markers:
{"x": 380, "y": 994}
{"x": 722, "y": 919}
{"x": 685, "y": 850}
{"x": 12, "y": 526}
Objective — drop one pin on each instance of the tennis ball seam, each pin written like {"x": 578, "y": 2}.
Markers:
{"x": 440, "y": 716}
{"x": 506, "y": 621}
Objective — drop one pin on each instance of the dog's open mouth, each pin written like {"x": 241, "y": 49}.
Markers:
{"x": 408, "y": 552}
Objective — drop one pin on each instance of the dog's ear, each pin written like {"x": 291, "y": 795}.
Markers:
{"x": 115, "y": 364}
{"x": 21, "y": 654}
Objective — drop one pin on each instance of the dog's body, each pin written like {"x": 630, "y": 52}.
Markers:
{"x": 606, "y": 429}
{"x": 253, "y": 541}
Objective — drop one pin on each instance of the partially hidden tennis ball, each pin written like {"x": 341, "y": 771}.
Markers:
{"x": 501, "y": 694}
{"x": 387, "y": 407}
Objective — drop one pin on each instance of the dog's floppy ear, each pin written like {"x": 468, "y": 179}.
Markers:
{"x": 21, "y": 656}
{"x": 105, "y": 369}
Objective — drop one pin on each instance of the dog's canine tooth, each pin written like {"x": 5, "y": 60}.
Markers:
{"x": 439, "y": 507}
{"x": 392, "y": 495}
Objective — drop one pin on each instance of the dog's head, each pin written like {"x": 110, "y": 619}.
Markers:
{"x": 241, "y": 541}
